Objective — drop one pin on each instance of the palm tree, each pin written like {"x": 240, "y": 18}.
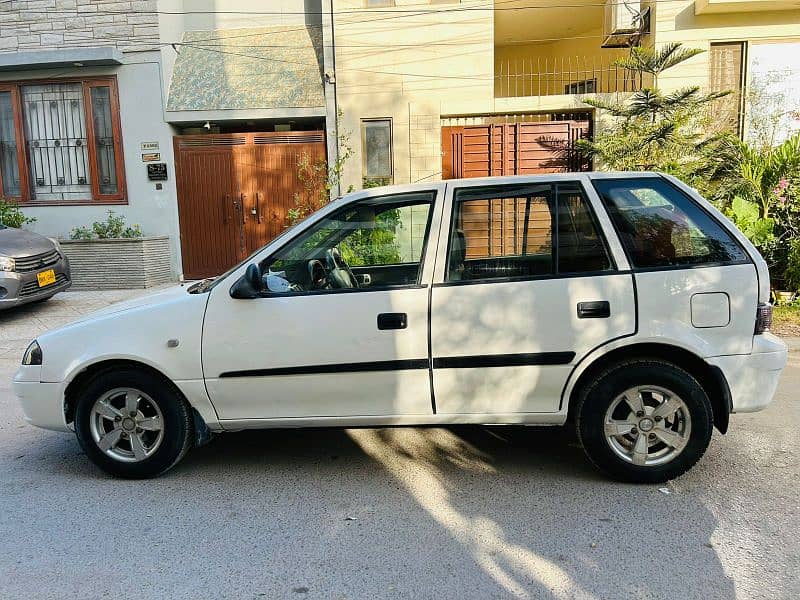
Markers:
{"x": 654, "y": 130}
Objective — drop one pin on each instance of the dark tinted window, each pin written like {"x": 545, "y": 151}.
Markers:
{"x": 580, "y": 247}
{"x": 531, "y": 230}
{"x": 660, "y": 226}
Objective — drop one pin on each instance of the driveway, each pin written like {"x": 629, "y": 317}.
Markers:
{"x": 463, "y": 512}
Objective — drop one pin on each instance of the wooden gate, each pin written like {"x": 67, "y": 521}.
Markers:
{"x": 513, "y": 149}
{"x": 234, "y": 193}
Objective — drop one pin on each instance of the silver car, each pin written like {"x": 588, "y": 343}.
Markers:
{"x": 32, "y": 267}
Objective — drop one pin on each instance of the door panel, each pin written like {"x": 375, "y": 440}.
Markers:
{"x": 503, "y": 320}
{"x": 207, "y": 211}
{"x": 513, "y": 149}
{"x": 317, "y": 355}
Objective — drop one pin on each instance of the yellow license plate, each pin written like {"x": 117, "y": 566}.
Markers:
{"x": 46, "y": 277}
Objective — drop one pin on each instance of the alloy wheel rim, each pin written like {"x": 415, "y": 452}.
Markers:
{"x": 647, "y": 425}
{"x": 126, "y": 424}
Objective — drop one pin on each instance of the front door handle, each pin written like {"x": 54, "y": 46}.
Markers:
{"x": 599, "y": 309}
{"x": 392, "y": 321}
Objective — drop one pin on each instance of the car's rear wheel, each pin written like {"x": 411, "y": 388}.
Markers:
{"x": 644, "y": 421}
{"x": 132, "y": 423}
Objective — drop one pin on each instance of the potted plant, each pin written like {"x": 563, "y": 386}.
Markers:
{"x": 12, "y": 216}
{"x": 113, "y": 255}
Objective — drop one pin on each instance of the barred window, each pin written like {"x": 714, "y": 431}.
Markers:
{"x": 60, "y": 142}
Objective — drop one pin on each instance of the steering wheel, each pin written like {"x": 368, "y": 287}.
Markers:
{"x": 339, "y": 272}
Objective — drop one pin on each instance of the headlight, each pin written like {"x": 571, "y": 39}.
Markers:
{"x": 33, "y": 355}
{"x": 7, "y": 263}
{"x": 56, "y": 244}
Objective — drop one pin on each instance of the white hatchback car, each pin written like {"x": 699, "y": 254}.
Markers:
{"x": 621, "y": 302}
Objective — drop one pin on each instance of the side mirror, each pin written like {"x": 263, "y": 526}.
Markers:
{"x": 250, "y": 285}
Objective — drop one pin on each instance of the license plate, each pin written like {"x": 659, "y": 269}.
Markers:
{"x": 46, "y": 277}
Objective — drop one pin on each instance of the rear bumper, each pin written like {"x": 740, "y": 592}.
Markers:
{"x": 753, "y": 378}
{"x": 21, "y": 288}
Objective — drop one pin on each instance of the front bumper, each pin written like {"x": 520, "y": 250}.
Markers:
{"x": 20, "y": 288}
{"x": 753, "y": 378}
{"x": 42, "y": 403}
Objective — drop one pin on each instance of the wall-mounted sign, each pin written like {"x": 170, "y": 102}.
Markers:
{"x": 157, "y": 171}
{"x": 151, "y": 157}
{"x": 148, "y": 146}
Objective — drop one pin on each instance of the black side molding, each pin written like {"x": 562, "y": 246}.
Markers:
{"x": 381, "y": 365}
{"x": 504, "y": 360}
{"x": 452, "y": 362}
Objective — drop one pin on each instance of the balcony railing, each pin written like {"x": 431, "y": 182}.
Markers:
{"x": 563, "y": 76}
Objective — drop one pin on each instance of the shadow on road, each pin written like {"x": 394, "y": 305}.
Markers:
{"x": 429, "y": 512}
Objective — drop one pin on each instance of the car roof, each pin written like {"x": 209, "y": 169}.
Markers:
{"x": 493, "y": 180}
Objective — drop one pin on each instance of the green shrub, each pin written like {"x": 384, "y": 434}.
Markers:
{"x": 746, "y": 216}
{"x": 792, "y": 272}
{"x": 12, "y": 216}
{"x": 112, "y": 228}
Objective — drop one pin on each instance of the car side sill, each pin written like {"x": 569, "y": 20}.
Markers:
{"x": 396, "y": 420}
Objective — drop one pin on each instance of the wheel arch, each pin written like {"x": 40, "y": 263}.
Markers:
{"x": 710, "y": 377}
{"x": 85, "y": 375}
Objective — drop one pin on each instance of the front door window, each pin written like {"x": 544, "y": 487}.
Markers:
{"x": 373, "y": 243}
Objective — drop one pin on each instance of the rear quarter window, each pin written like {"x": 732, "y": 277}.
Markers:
{"x": 660, "y": 226}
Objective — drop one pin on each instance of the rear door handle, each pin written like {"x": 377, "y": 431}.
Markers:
{"x": 392, "y": 321}
{"x": 599, "y": 309}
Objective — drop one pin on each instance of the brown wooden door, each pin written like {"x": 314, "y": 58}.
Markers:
{"x": 512, "y": 149}
{"x": 234, "y": 193}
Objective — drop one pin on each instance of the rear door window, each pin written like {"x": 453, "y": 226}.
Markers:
{"x": 522, "y": 231}
{"x": 660, "y": 226}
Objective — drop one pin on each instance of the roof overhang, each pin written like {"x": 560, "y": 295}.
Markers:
{"x": 274, "y": 69}
{"x": 250, "y": 114}
{"x": 55, "y": 59}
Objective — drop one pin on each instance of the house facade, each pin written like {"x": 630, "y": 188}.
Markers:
{"x": 80, "y": 90}
{"x": 185, "y": 120}
{"x": 229, "y": 98}
{"x": 499, "y": 89}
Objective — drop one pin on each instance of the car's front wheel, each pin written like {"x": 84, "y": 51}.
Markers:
{"x": 132, "y": 424}
{"x": 644, "y": 421}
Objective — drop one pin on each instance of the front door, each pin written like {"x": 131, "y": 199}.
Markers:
{"x": 527, "y": 286}
{"x": 343, "y": 327}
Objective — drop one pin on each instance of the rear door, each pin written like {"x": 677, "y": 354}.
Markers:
{"x": 525, "y": 285}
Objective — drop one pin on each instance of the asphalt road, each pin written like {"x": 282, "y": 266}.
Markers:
{"x": 466, "y": 512}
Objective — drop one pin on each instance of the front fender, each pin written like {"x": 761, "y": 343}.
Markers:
{"x": 139, "y": 334}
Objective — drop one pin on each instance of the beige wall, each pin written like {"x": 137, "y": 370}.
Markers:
{"x": 677, "y": 22}
{"x": 416, "y": 67}
{"x": 557, "y": 62}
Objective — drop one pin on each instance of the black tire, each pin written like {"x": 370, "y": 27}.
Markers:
{"x": 177, "y": 423}
{"x": 597, "y": 396}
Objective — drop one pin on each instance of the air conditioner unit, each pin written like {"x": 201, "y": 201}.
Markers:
{"x": 623, "y": 22}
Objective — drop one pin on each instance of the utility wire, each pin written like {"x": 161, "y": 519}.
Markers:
{"x": 491, "y": 6}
